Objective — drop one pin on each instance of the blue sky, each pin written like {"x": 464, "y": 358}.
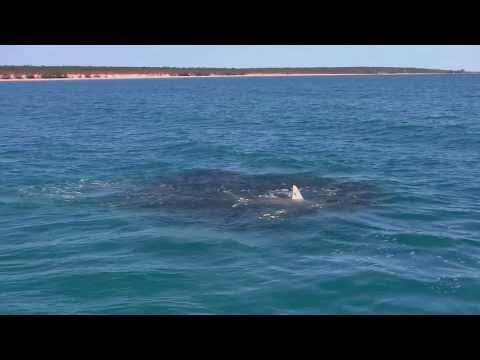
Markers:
{"x": 439, "y": 56}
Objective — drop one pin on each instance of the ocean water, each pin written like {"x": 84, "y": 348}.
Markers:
{"x": 170, "y": 196}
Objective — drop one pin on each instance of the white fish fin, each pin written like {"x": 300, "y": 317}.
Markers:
{"x": 296, "y": 194}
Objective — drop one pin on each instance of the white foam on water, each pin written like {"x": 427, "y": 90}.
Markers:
{"x": 276, "y": 215}
{"x": 241, "y": 201}
{"x": 68, "y": 191}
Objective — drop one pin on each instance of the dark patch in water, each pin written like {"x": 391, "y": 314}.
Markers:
{"x": 217, "y": 194}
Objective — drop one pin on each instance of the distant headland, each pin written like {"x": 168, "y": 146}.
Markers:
{"x": 14, "y": 73}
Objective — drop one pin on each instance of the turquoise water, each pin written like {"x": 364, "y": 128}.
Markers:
{"x": 120, "y": 196}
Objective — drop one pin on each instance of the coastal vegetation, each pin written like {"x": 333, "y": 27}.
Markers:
{"x": 46, "y": 72}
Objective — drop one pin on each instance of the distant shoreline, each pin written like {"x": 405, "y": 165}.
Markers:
{"x": 71, "y": 72}
{"x": 114, "y": 76}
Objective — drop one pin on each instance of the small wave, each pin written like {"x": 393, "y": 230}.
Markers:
{"x": 330, "y": 191}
